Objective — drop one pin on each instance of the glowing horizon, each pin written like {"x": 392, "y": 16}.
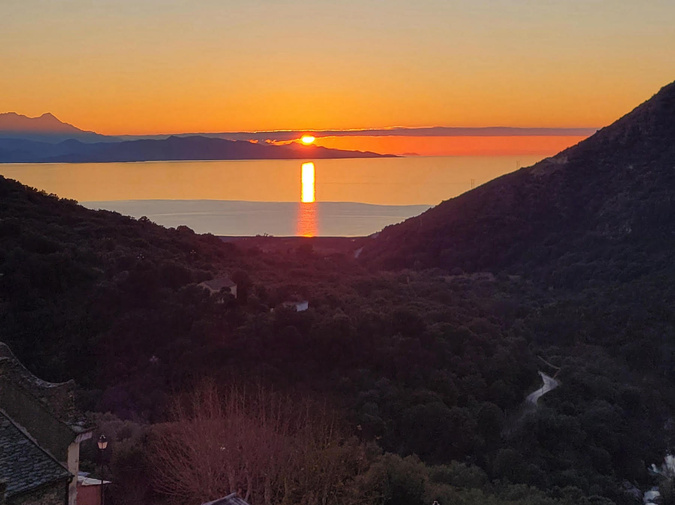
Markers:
{"x": 149, "y": 66}
{"x": 453, "y": 146}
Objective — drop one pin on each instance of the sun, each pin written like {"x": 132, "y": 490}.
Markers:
{"x": 307, "y": 139}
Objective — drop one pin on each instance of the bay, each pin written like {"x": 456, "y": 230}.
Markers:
{"x": 350, "y": 197}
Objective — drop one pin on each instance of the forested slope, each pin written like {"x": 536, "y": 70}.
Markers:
{"x": 607, "y": 204}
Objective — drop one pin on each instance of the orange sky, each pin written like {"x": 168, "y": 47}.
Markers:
{"x": 169, "y": 66}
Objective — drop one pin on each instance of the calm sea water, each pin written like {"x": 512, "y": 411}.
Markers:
{"x": 351, "y": 197}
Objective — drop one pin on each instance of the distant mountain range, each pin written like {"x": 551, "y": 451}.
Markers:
{"x": 45, "y": 139}
{"x": 15, "y": 129}
{"x": 173, "y": 148}
{"x": 45, "y": 128}
{"x": 591, "y": 210}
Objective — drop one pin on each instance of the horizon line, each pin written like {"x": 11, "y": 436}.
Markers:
{"x": 397, "y": 131}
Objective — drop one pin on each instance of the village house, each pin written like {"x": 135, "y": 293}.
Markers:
{"x": 219, "y": 285}
{"x": 299, "y": 306}
{"x": 89, "y": 489}
{"x": 30, "y": 474}
{"x": 40, "y": 436}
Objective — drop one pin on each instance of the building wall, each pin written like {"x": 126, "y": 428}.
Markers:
{"x": 43, "y": 410}
{"x": 54, "y": 494}
{"x": 74, "y": 468}
{"x": 88, "y": 495}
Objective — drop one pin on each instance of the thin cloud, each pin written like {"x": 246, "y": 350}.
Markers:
{"x": 435, "y": 131}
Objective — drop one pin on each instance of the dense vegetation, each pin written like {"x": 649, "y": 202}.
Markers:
{"x": 426, "y": 369}
{"x": 422, "y": 363}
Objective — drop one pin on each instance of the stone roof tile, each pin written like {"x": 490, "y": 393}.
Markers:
{"x": 23, "y": 464}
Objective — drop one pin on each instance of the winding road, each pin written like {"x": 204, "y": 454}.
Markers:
{"x": 549, "y": 385}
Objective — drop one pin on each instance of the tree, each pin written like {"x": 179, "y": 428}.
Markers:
{"x": 266, "y": 446}
{"x": 243, "y": 282}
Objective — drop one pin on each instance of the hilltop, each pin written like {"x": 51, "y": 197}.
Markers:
{"x": 601, "y": 207}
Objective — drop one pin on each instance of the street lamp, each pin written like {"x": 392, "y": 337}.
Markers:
{"x": 102, "y": 444}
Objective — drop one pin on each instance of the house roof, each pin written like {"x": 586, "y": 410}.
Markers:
{"x": 218, "y": 283}
{"x": 23, "y": 463}
{"x": 56, "y": 398}
{"x": 230, "y": 499}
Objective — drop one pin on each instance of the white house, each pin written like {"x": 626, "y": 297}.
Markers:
{"x": 220, "y": 284}
{"x": 298, "y": 306}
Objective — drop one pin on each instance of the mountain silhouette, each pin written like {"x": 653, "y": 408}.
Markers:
{"x": 46, "y": 139}
{"x": 172, "y": 148}
{"x": 610, "y": 198}
{"x": 45, "y": 128}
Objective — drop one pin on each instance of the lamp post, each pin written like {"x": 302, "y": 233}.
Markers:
{"x": 102, "y": 444}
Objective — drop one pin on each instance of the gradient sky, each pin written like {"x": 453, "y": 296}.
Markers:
{"x": 151, "y": 66}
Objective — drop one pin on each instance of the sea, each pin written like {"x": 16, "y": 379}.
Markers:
{"x": 329, "y": 198}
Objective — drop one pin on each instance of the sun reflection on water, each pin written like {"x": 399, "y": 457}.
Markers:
{"x": 307, "y": 182}
{"x": 307, "y": 224}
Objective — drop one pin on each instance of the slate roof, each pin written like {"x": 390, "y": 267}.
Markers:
{"x": 57, "y": 398}
{"x": 23, "y": 464}
{"x": 230, "y": 499}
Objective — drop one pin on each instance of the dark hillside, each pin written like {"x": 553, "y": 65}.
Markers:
{"x": 421, "y": 362}
{"x": 609, "y": 199}
{"x": 113, "y": 303}
{"x": 68, "y": 275}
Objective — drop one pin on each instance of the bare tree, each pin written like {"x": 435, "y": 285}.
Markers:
{"x": 270, "y": 448}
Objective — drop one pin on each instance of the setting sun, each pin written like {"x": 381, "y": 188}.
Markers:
{"x": 307, "y": 139}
